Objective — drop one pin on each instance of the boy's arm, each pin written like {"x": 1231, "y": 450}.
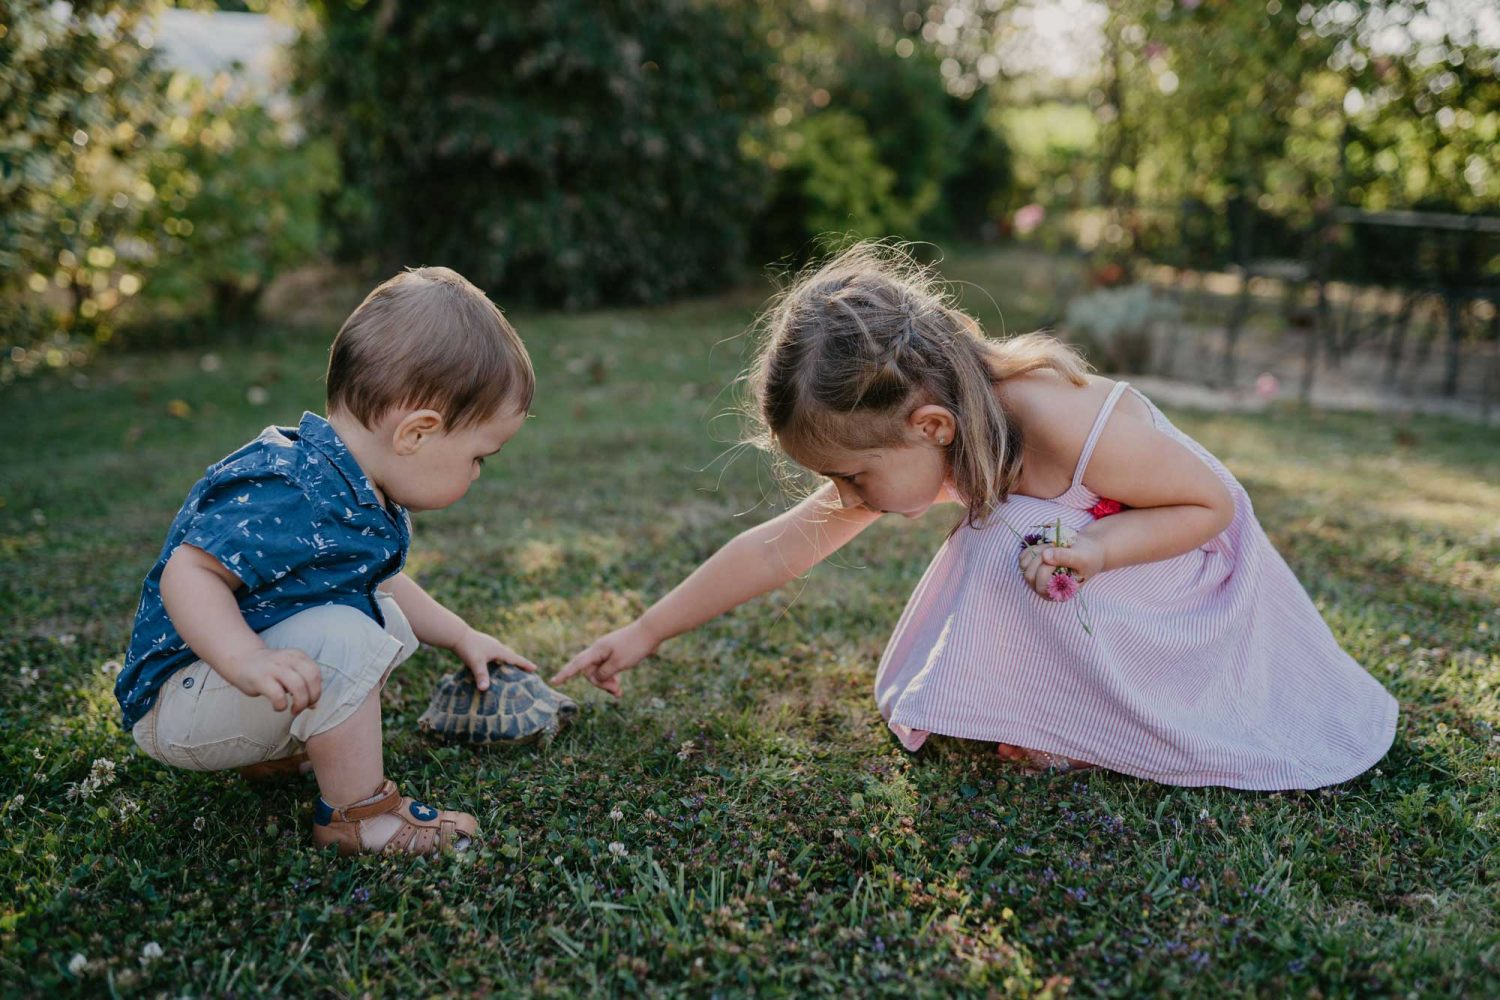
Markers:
{"x": 754, "y": 562}
{"x": 198, "y": 594}
{"x": 437, "y": 626}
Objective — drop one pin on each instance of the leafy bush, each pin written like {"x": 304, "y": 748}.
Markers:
{"x": 1115, "y": 325}
{"x": 79, "y": 102}
{"x": 828, "y": 179}
{"x": 868, "y": 142}
{"x": 563, "y": 151}
{"x": 237, "y": 200}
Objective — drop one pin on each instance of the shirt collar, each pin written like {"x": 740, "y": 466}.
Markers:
{"x": 319, "y": 433}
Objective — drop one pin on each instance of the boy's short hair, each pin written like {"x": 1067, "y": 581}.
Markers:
{"x": 428, "y": 338}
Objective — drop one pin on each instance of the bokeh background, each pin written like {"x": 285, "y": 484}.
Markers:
{"x": 1266, "y": 197}
{"x": 1242, "y": 206}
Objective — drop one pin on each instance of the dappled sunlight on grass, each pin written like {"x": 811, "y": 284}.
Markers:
{"x": 772, "y": 830}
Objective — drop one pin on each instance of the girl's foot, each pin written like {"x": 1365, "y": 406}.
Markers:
{"x": 1039, "y": 761}
{"x": 390, "y": 823}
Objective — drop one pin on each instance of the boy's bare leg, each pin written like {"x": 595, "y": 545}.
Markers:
{"x": 350, "y": 764}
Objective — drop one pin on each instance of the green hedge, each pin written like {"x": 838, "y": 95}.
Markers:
{"x": 562, "y": 152}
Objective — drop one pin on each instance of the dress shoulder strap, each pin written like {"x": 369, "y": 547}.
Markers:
{"x": 1098, "y": 429}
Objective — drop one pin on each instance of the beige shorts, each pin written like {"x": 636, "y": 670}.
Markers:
{"x": 203, "y": 723}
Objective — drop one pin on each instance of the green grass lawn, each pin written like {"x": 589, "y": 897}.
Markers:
{"x": 779, "y": 841}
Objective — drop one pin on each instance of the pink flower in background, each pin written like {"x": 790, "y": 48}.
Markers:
{"x": 1028, "y": 217}
{"x": 1267, "y": 385}
{"x": 1062, "y": 586}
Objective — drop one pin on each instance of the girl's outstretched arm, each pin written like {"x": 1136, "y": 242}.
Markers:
{"x": 755, "y": 561}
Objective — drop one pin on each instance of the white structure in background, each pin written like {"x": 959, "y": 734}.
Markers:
{"x": 205, "y": 43}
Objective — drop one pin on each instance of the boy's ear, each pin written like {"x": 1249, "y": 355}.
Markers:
{"x": 415, "y": 428}
{"x": 935, "y": 424}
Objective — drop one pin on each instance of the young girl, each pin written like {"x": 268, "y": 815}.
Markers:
{"x": 1203, "y": 661}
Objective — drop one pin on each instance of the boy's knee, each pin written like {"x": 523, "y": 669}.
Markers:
{"x": 339, "y": 638}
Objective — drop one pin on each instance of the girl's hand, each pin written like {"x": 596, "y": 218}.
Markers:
{"x": 1085, "y": 557}
{"x": 479, "y": 650}
{"x": 607, "y": 658}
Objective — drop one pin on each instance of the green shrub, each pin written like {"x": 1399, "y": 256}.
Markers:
{"x": 565, "y": 152}
{"x": 828, "y": 179}
{"x": 79, "y": 102}
{"x": 873, "y": 145}
{"x": 237, "y": 201}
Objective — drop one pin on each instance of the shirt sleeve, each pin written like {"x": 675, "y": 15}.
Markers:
{"x": 260, "y": 528}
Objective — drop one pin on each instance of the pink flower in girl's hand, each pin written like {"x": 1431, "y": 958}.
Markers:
{"x": 1062, "y": 586}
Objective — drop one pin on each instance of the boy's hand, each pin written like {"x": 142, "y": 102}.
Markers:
{"x": 286, "y": 676}
{"x": 479, "y": 650}
{"x": 607, "y": 658}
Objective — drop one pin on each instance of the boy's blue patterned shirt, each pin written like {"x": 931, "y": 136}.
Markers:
{"x": 296, "y": 519}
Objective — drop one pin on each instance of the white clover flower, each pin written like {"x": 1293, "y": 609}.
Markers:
{"x": 77, "y": 964}
{"x": 616, "y": 815}
{"x": 150, "y": 952}
{"x": 686, "y": 750}
{"x": 129, "y": 807}
{"x": 618, "y": 849}
{"x": 199, "y": 823}
{"x": 557, "y": 861}
{"x": 1203, "y": 814}
{"x": 101, "y": 775}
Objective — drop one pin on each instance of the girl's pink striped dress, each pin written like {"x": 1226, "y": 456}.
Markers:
{"x": 1211, "y": 668}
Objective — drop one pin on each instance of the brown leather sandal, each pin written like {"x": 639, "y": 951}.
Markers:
{"x": 270, "y": 770}
{"x": 424, "y": 829}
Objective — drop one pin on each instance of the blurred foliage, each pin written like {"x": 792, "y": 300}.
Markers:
{"x": 239, "y": 192}
{"x": 1248, "y": 122}
{"x": 828, "y": 180}
{"x": 866, "y": 140}
{"x": 122, "y": 181}
{"x": 1114, "y": 326}
{"x": 79, "y": 106}
{"x": 563, "y": 152}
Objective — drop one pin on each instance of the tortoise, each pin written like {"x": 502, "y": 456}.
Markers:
{"x": 518, "y": 708}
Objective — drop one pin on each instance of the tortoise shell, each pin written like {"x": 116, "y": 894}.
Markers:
{"x": 518, "y": 708}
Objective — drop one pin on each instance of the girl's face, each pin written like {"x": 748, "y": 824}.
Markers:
{"x": 904, "y": 478}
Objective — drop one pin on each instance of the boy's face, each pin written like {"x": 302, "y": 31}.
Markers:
{"x": 428, "y": 468}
